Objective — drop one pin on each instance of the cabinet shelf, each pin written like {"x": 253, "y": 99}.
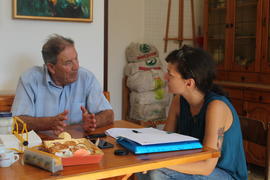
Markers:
{"x": 246, "y": 22}
{"x": 217, "y": 8}
{"x": 216, "y": 38}
{"x": 247, "y": 4}
{"x": 245, "y": 37}
{"x": 217, "y": 24}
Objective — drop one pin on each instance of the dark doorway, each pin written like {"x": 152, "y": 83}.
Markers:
{"x": 105, "y": 71}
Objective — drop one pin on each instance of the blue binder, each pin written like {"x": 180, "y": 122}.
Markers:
{"x": 165, "y": 147}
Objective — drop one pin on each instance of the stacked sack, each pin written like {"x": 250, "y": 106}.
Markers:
{"x": 145, "y": 80}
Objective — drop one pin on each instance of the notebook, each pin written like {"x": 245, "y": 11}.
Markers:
{"x": 150, "y": 140}
{"x": 153, "y": 148}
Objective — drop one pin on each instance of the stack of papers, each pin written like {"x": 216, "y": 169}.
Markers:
{"x": 149, "y": 140}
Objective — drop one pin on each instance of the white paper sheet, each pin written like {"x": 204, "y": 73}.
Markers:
{"x": 147, "y": 136}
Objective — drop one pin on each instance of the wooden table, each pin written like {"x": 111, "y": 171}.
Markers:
{"x": 111, "y": 165}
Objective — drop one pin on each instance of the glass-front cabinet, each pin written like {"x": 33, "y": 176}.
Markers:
{"x": 237, "y": 35}
{"x": 233, "y": 36}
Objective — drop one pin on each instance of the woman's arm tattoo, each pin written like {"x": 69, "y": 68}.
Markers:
{"x": 220, "y": 138}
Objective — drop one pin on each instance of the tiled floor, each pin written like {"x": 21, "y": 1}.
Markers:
{"x": 255, "y": 173}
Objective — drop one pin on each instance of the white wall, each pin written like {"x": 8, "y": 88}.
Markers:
{"x": 156, "y": 19}
{"x": 141, "y": 21}
{"x": 129, "y": 20}
{"x": 21, "y": 42}
{"x": 126, "y": 24}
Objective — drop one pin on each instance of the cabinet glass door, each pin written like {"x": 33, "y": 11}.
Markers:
{"x": 265, "y": 60}
{"x": 216, "y": 30}
{"x": 268, "y": 47}
{"x": 245, "y": 35}
{"x": 266, "y": 64}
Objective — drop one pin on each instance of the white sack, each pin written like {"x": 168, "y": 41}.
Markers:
{"x": 146, "y": 81}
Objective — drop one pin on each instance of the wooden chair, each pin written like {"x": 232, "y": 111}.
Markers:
{"x": 107, "y": 95}
{"x": 125, "y": 99}
{"x": 6, "y": 101}
{"x": 254, "y": 133}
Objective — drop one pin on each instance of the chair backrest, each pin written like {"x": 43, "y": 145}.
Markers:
{"x": 125, "y": 99}
{"x": 257, "y": 132}
{"x": 6, "y": 102}
{"x": 107, "y": 95}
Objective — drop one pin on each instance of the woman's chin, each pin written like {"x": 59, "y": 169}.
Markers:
{"x": 170, "y": 91}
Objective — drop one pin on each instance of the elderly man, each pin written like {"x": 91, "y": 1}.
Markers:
{"x": 61, "y": 92}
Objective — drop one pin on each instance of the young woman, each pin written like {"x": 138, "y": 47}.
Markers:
{"x": 200, "y": 109}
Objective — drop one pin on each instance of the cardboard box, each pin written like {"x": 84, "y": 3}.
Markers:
{"x": 77, "y": 159}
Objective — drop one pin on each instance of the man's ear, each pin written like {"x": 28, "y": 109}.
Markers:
{"x": 51, "y": 68}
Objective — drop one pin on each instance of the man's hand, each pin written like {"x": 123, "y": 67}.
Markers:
{"x": 89, "y": 120}
{"x": 57, "y": 123}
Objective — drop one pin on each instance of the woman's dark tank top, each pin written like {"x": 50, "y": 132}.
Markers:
{"x": 232, "y": 158}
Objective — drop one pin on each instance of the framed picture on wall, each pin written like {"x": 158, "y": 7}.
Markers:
{"x": 59, "y": 10}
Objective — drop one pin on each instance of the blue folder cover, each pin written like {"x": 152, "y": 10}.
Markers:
{"x": 143, "y": 149}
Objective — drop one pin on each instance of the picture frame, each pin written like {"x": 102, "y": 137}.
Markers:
{"x": 55, "y": 10}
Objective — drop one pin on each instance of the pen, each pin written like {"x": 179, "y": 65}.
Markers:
{"x": 135, "y": 131}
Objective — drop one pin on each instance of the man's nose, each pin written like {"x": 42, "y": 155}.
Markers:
{"x": 75, "y": 66}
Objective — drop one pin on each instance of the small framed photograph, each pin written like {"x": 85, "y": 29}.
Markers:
{"x": 58, "y": 10}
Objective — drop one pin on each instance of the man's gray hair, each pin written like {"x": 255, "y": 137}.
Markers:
{"x": 54, "y": 46}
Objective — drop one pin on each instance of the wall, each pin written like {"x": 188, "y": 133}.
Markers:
{"x": 156, "y": 19}
{"x": 141, "y": 21}
{"x": 126, "y": 24}
{"x": 129, "y": 20}
{"x": 21, "y": 42}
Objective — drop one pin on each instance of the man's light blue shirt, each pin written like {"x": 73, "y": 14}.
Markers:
{"x": 38, "y": 96}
